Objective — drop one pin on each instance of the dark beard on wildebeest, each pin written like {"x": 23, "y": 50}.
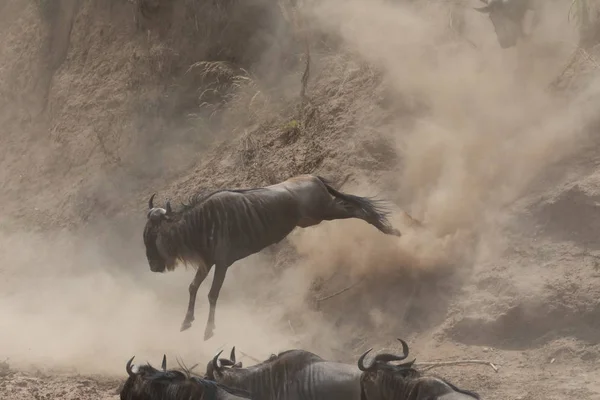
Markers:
{"x": 227, "y": 225}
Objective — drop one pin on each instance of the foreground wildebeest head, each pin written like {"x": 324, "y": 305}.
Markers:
{"x": 217, "y": 365}
{"x": 153, "y": 240}
{"x": 508, "y": 17}
{"x": 384, "y": 381}
{"x": 147, "y": 383}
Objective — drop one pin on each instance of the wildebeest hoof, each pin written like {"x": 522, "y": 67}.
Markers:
{"x": 186, "y": 325}
{"x": 208, "y": 334}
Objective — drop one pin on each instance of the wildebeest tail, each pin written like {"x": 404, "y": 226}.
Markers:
{"x": 372, "y": 210}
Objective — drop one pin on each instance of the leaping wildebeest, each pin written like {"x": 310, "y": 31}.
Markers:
{"x": 383, "y": 381}
{"x": 230, "y": 224}
{"x": 293, "y": 375}
{"x": 508, "y": 18}
{"x": 145, "y": 382}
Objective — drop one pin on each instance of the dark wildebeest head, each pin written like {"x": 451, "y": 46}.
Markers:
{"x": 147, "y": 383}
{"x": 384, "y": 381}
{"x": 219, "y": 364}
{"x": 508, "y": 17}
{"x": 156, "y": 248}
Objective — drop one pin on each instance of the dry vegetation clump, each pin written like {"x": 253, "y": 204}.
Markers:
{"x": 585, "y": 61}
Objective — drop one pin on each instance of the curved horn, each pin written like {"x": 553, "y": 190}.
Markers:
{"x": 361, "y": 360}
{"x": 128, "y": 367}
{"x": 169, "y": 210}
{"x": 386, "y": 357}
{"x": 164, "y": 362}
{"x": 232, "y": 355}
{"x": 151, "y": 201}
{"x": 215, "y": 364}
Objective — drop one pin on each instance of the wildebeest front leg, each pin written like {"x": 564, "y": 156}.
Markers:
{"x": 201, "y": 274}
{"x": 213, "y": 296}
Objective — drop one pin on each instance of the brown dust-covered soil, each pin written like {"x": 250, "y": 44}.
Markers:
{"x": 494, "y": 151}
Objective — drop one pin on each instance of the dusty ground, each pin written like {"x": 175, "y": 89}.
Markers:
{"x": 495, "y": 151}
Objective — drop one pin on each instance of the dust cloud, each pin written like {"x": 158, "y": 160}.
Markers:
{"x": 491, "y": 128}
{"x": 65, "y": 305}
{"x": 485, "y": 138}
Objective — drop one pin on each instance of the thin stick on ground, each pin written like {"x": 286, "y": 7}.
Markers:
{"x": 435, "y": 364}
{"x": 250, "y": 357}
{"x": 338, "y": 292}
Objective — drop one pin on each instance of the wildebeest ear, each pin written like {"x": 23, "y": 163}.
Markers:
{"x": 169, "y": 210}
{"x": 164, "y": 362}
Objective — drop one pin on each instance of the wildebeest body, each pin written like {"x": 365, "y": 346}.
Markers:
{"x": 237, "y": 224}
{"x": 294, "y": 375}
{"x": 227, "y": 225}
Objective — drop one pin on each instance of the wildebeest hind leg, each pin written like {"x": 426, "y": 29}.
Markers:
{"x": 341, "y": 210}
{"x": 213, "y": 296}
{"x": 201, "y": 274}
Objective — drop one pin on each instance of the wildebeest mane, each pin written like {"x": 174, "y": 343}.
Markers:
{"x": 307, "y": 355}
{"x": 203, "y": 194}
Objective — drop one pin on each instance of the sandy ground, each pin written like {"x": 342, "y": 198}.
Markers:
{"x": 99, "y": 109}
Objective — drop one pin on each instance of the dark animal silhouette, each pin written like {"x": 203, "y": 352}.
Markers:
{"x": 227, "y": 225}
{"x": 384, "y": 381}
{"x": 147, "y": 383}
{"x": 293, "y": 375}
{"x": 508, "y": 17}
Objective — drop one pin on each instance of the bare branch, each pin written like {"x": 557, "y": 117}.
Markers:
{"x": 249, "y": 356}
{"x": 435, "y": 364}
{"x": 339, "y": 292}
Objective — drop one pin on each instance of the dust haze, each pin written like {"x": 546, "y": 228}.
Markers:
{"x": 490, "y": 129}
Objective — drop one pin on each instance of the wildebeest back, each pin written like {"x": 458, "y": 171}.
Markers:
{"x": 230, "y": 225}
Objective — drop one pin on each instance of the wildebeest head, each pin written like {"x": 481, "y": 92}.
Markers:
{"x": 507, "y": 16}
{"x": 383, "y": 381}
{"x": 147, "y": 383}
{"x": 217, "y": 365}
{"x": 155, "y": 246}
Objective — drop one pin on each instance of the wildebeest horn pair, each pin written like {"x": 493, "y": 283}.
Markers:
{"x": 382, "y": 358}
{"x": 129, "y": 366}
{"x": 151, "y": 204}
{"x": 225, "y": 362}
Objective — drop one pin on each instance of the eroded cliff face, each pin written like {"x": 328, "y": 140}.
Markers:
{"x": 95, "y": 87}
